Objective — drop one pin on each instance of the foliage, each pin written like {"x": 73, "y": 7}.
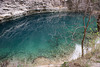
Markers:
{"x": 64, "y": 64}
{"x": 98, "y": 61}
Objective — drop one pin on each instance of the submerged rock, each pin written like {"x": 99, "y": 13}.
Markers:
{"x": 41, "y": 61}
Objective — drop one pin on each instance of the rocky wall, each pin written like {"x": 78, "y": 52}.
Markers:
{"x": 15, "y": 8}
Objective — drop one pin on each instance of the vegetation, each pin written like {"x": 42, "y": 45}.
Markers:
{"x": 91, "y": 58}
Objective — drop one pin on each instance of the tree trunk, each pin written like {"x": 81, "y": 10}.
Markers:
{"x": 98, "y": 23}
{"x": 83, "y": 42}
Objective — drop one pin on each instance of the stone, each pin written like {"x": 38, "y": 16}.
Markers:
{"x": 77, "y": 64}
{"x": 6, "y": 9}
{"x": 41, "y": 61}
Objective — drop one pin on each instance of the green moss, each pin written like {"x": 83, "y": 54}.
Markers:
{"x": 98, "y": 56}
{"x": 87, "y": 65}
{"x": 98, "y": 61}
{"x": 65, "y": 64}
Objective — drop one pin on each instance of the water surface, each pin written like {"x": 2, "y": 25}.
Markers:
{"x": 49, "y": 35}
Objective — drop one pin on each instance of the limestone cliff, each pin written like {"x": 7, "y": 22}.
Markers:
{"x": 9, "y": 8}
{"x": 13, "y": 8}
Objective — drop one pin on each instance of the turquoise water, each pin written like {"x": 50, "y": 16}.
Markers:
{"x": 49, "y": 35}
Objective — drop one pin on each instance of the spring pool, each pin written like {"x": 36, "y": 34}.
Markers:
{"x": 50, "y": 35}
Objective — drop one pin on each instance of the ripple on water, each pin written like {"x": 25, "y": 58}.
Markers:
{"x": 50, "y": 35}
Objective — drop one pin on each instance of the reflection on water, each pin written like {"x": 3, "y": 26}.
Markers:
{"x": 49, "y": 35}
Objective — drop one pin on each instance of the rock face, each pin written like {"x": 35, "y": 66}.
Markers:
{"x": 31, "y": 4}
{"x": 14, "y": 8}
{"x": 11, "y": 6}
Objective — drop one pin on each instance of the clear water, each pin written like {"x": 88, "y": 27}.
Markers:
{"x": 49, "y": 35}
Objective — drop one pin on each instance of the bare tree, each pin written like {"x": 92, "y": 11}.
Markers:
{"x": 98, "y": 23}
{"x": 85, "y": 30}
{"x": 89, "y": 11}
